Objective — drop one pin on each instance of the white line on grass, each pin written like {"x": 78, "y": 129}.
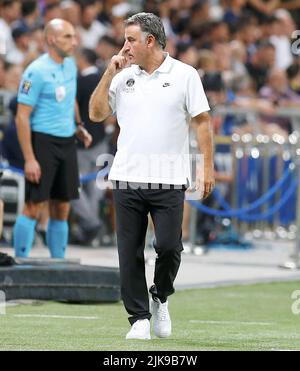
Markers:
{"x": 285, "y": 350}
{"x": 53, "y": 316}
{"x": 232, "y": 322}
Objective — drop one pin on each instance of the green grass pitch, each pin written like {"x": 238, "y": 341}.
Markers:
{"x": 254, "y": 317}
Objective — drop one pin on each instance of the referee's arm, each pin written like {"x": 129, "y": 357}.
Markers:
{"x": 32, "y": 167}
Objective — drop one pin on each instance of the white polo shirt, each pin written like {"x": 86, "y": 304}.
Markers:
{"x": 154, "y": 112}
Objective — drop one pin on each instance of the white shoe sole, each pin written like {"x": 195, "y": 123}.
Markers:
{"x": 162, "y": 334}
{"x": 138, "y": 338}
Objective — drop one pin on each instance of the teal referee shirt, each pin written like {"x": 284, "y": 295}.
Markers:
{"x": 50, "y": 88}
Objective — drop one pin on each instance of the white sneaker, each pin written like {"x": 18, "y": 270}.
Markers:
{"x": 162, "y": 325}
{"x": 140, "y": 330}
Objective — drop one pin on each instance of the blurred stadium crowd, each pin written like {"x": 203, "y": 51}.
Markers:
{"x": 241, "y": 48}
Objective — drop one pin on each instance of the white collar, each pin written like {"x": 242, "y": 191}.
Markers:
{"x": 163, "y": 68}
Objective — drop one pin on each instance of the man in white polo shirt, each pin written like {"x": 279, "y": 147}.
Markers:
{"x": 154, "y": 98}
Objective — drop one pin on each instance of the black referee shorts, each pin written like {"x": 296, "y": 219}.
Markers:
{"x": 57, "y": 157}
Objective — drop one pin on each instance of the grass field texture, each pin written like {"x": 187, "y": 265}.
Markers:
{"x": 255, "y": 317}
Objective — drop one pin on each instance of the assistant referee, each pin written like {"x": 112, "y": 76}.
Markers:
{"x": 46, "y": 131}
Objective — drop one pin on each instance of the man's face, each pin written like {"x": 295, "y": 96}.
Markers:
{"x": 278, "y": 81}
{"x": 135, "y": 45}
{"x": 268, "y": 56}
{"x": 89, "y": 15}
{"x": 65, "y": 41}
{"x": 72, "y": 13}
{"x": 105, "y": 50}
{"x": 13, "y": 11}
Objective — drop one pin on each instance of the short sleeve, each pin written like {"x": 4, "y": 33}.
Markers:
{"x": 196, "y": 101}
{"x": 113, "y": 93}
{"x": 30, "y": 87}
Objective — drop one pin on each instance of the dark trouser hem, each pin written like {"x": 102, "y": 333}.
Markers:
{"x": 155, "y": 294}
{"x": 133, "y": 319}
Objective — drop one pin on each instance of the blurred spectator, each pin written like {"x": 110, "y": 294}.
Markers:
{"x": 223, "y": 52}
{"x": 187, "y": 53}
{"x": 248, "y": 33}
{"x": 37, "y": 41}
{"x": 120, "y": 9}
{"x": 52, "y": 11}
{"x": 13, "y": 74}
{"x": 219, "y": 32}
{"x": 266, "y": 27}
{"x": 171, "y": 47}
{"x": 86, "y": 208}
{"x": 287, "y": 22}
{"x": 293, "y": 75}
{"x": 71, "y": 12}
{"x": 261, "y": 62}
{"x": 191, "y": 25}
{"x": 117, "y": 29}
{"x": 21, "y": 36}
{"x": 238, "y": 59}
{"x": 106, "y": 48}
{"x": 10, "y": 11}
{"x": 91, "y": 30}
{"x": 207, "y": 61}
{"x": 30, "y": 14}
{"x": 282, "y": 44}
{"x": 7, "y": 91}
{"x": 261, "y": 8}
{"x": 278, "y": 92}
{"x": 164, "y": 12}
{"x": 214, "y": 88}
{"x": 199, "y": 14}
{"x": 234, "y": 10}
{"x": 244, "y": 96}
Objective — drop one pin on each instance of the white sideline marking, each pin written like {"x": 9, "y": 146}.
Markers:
{"x": 232, "y": 322}
{"x": 285, "y": 350}
{"x": 53, "y": 316}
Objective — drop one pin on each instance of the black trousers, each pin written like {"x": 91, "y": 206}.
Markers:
{"x": 132, "y": 208}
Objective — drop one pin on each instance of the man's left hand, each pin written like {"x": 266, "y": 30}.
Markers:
{"x": 84, "y": 136}
{"x": 207, "y": 184}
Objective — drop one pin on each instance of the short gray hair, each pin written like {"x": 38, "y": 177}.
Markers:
{"x": 149, "y": 24}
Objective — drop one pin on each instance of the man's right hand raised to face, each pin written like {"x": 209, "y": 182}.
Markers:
{"x": 119, "y": 61}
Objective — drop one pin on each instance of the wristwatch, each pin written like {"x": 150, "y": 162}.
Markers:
{"x": 81, "y": 123}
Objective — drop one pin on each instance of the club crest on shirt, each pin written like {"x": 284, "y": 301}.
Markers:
{"x": 26, "y": 87}
{"x": 129, "y": 86}
{"x": 130, "y": 82}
